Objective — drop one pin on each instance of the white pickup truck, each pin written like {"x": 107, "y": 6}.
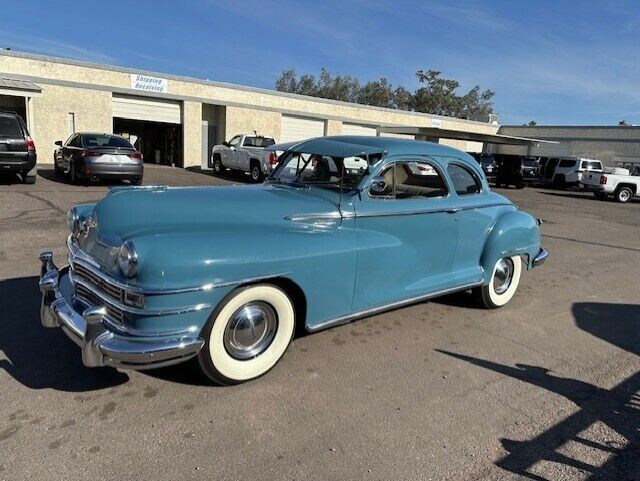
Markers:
{"x": 613, "y": 181}
{"x": 245, "y": 153}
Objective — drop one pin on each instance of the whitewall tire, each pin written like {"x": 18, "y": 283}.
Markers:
{"x": 248, "y": 334}
{"x": 503, "y": 285}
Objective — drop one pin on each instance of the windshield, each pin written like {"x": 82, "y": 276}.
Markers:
{"x": 307, "y": 169}
{"x": 93, "y": 141}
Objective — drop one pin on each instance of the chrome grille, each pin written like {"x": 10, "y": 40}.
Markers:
{"x": 86, "y": 295}
{"x": 97, "y": 282}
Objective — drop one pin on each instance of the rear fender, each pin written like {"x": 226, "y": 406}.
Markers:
{"x": 514, "y": 233}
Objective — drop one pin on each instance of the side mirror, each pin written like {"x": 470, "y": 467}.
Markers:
{"x": 232, "y": 147}
{"x": 378, "y": 185}
{"x": 58, "y": 143}
{"x": 225, "y": 143}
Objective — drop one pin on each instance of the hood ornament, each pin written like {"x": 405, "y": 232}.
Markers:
{"x": 86, "y": 225}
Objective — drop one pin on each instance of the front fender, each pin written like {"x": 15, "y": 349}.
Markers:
{"x": 514, "y": 233}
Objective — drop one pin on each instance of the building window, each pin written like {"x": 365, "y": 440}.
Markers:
{"x": 71, "y": 123}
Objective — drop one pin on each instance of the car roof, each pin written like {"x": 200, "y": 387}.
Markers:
{"x": 99, "y": 133}
{"x": 393, "y": 146}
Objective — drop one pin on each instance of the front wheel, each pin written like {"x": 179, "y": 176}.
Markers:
{"x": 247, "y": 335}
{"x": 503, "y": 284}
{"x": 217, "y": 165}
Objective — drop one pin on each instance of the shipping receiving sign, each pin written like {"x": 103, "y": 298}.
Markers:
{"x": 148, "y": 83}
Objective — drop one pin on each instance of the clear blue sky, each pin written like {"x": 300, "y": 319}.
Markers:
{"x": 556, "y": 62}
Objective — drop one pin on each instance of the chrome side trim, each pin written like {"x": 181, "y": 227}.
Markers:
{"x": 387, "y": 307}
{"x": 80, "y": 257}
{"x": 134, "y": 310}
{"x": 319, "y": 216}
{"x": 429, "y": 211}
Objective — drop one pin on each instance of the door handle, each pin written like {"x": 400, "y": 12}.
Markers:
{"x": 453, "y": 211}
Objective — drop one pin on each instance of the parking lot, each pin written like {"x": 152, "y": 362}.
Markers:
{"x": 547, "y": 387}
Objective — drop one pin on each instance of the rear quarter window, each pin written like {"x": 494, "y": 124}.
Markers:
{"x": 567, "y": 163}
{"x": 464, "y": 181}
{"x": 9, "y": 127}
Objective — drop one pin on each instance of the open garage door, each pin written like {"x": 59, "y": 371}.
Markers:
{"x": 156, "y": 110}
{"x": 358, "y": 129}
{"x": 300, "y": 128}
{"x": 153, "y": 126}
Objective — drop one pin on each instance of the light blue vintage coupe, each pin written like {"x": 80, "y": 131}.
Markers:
{"x": 345, "y": 227}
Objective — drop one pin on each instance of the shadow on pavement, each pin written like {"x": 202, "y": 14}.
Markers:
{"x": 38, "y": 357}
{"x": 617, "y": 408}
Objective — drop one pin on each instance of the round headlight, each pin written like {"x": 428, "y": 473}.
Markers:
{"x": 128, "y": 259}
{"x": 73, "y": 220}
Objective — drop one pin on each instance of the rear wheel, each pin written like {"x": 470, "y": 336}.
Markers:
{"x": 559, "y": 181}
{"x": 247, "y": 335}
{"x": 624, "y": 194}
{"x": 503, "y": 284}
{"x": 599, "y": 195}
{"x": 256, "y": 171}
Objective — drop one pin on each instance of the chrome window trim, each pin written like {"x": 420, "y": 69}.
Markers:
{"x": 427, "y": 160}
{"x": 471, "y": 172}
{"x": 393, "y": 305}
{"x": 76, "y": 255}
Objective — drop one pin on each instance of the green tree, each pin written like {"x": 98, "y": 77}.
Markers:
{"x": 436, "y": 94}
{"x": 532, "y": 123}
{"x": 623, "y": 122}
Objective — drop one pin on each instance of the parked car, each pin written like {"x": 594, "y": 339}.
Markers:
{"x": 244, "y": 153}
{"x": 17, "y": 149}
{"x": 489, "y": 165}
{"x": 615, "y": 181}
{"x": 158, "y": 275}
{"x": 530, "y": 169}
{"x": 510, "y": 173}
{"x": 90, "y": 156}
{"x": 568, "y": 171}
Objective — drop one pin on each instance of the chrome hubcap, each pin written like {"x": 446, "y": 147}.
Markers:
{"x": 250, "y": 330}
{"x": 624, "y": 195}
{"x": 503, "y": 276}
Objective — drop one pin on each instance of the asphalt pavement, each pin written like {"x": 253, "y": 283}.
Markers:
{"x": 547, "y": 387}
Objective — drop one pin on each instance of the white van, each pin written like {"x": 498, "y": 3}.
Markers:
{"x": 565, "y": 171}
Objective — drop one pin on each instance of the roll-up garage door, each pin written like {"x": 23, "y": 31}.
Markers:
{"x": 358, "y": 129}
{"x": 300, "y": 128}
{"x": 155, "y": 110}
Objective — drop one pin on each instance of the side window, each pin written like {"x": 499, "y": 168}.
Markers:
{"x": 75, "y": 142}
{"x": 249, "y": 142}
{"x": 567, "y": 163}
{"x": 404, "y": 180}
{"x": 234, "y": 142}
{"x": 464, "y": 181}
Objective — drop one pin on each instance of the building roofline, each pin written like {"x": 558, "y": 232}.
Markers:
{"x": 570, "y": 126}
{"x": 184, "y": 78}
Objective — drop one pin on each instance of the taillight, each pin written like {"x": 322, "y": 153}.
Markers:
{"x": 31, "y": 145}
{"x": 273, "y": 158}
{"x": 89, "y": 153}
{"x": 603, "y": 179}
{"x": 136, "y": 155}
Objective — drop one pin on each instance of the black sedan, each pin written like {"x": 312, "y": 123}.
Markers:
{"x": 88, "y": 156}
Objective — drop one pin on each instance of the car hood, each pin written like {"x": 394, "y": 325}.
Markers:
{"x": 132, "y": 212}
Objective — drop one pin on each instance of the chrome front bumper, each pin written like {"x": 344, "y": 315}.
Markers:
{"x": 100, "y": 345}
{"x": 540, "y": 259}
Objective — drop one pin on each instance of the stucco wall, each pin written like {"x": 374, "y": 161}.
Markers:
{"x": 242, "y": 121}
{"x": 333, "y": 127}
{"x": 192, "y": 133}
{"x": 50, "y": 112}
